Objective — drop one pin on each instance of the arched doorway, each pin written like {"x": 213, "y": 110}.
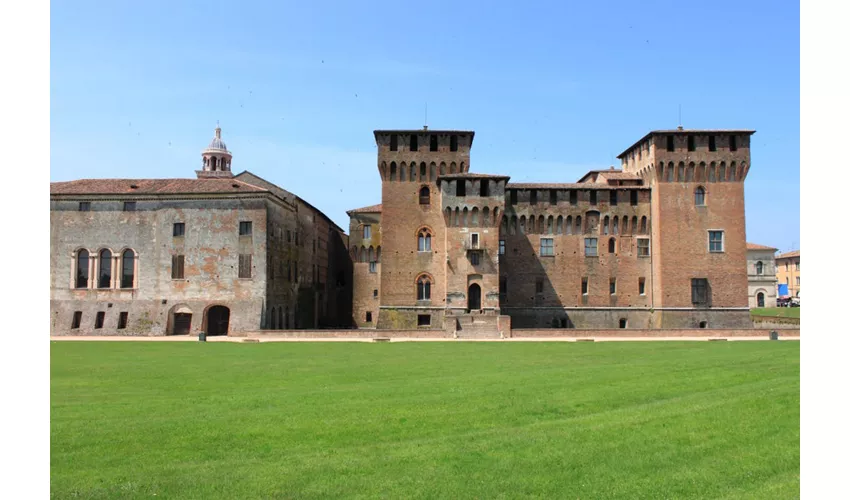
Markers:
{"x": 179, "y": 320}
{"x": 218, "y": 320}
{"x": 474, "y": 303}
{"x": 760, "y": 299}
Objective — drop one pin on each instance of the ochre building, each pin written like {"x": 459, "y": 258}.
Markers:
{"x": 658, "y": 243}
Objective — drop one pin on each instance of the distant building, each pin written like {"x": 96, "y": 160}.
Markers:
{"x": 761, "y": 275}
{"x": 788, "y": 271}
{"x": 219, "y": 253}
{"x": 659, "y": 243}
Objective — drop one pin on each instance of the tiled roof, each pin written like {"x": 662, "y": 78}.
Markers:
{"x": 615, "y": 175}
{"x": 153, "y": 186}
{"x": 573, "y": 185}
{"x": 470, "y": 175}
{"x": 795, "y": 253}
{"x": 754, "y": 246}
{"x": 687, "y": 131}
{"x": 371, "y": 209}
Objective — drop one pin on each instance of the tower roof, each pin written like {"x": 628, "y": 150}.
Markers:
{"x": 217, "y": 144}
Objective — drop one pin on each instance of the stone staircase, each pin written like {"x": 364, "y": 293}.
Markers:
{"x": 477, "y": 326}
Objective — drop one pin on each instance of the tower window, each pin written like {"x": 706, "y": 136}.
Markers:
{"x": 375, "y": 293}
{"x": 128, "y": 269}
{"x": 475, "y": 258}
{"x": 584, "y": 286}
{"x": 461, "y": 187}
{"x": 733, "y": 143}
{"x": 643, "y": 247}
{"x": 368, "y": 316}
{"x": 414, "y": 143}
{"x": 699, "y": 291}
{"x": 423, "y": 320}
{"x": 423, "y": 288}
{"x": 393, "y": 142}
{"x": 485, "y": 187}
{"x": 712, "y": 145}
{"x": 573, "y": 197}
{"x": 547, "y": 247}
{"x": 513, "y": 197}
{"x": 501, "y": 247}
{"x": 85, "y": 206}
{"x": 245, "y": 228}
{"x": 612, "y": 286}
{"x": 670, "y": 145}
{"x": 612, "y": 198}
{"x": 424, "y": 240}
{"x": 634, "y": 197}
{"x": 538, "y": 285}
{"x": 699, "y": 196}
{"x": 590, "y": 245}
{"x": 424, "y": 196}
{"x": 691, "y": 145}
{"x": 533, "y": 199}
{"x": 641, "y": 286}
{"x": 367, "y": 232}
{"x": 373, "y": 267}
{"x": 434, "y": 143}
{"x": 179, "y": 229}
{"x": 553, "y": 197}
{"x": 715, "y": 241}
{"x": 453, "y": 143}
{"x": 593, "y": 197}
{"x": 623, "y": 323}
{"x": 612, "y": 245}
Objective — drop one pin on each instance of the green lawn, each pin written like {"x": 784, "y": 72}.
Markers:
{"x": 782, "y": 312}
{"x": 425, "y": 420}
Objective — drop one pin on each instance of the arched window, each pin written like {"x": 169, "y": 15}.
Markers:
{"x": 442, "y": 168}
{"x": 433, "y": 174}
{"x": 504, "y": 226}
{"x": 448, "y": 216}
{"x": 402, "y": 175}
{"x": 550, "y": 225}
{"x": 732, "y": 172}
{"x": 104, "y": 275}
{"x": 513, "y": 224}
{"x": 485, "y": 217}
{"x": 616, "y": 225}
{"x": 273, "y": 317}
{"x": 605, "y": 224}
{"x": 634, "y": 224}
{"x": 625, "y": 224}
{"x": 393, "y": 171}
{"x": 559, "y": 225}
{"x": 611, "y": 245}
{"x": 378, "y": 254}
{"x": 128, "y": 269}
{"x": 712, "y": 173}
{"x": 81, "y": 279}
{"x": 464, "y": 221}
{"x": 568, "y": 225}
{"x": 474, "y": 219}
{"x": 495, "y": 216}
{"x": 689, "y": 174}
{"x": 643, "y": 225}
{"x": 522, "y": 224}
{"x": 423, "y": 171}
{"x": 363, "y": 254}
{"x": 353, "y": 254}
{"x": 384, "y": 170}
{"x": 760, "y": 299}
{"x": 412, "y": 177}
{"x": 457, "y": 217}
{"x": 699, "y": 196}
{"x": 423, "y": 287}
{"x": 680, "y": 175}
{"x": 541, "y": 223}
{"x": 670, "y": 171}
{"x": 424, "y": 237}
{"x": 721, "y": 173}
{"x": 759, "y": 268}
{"x": 578, "y": 225}
{"x": 700, "y": 176}
{"x": 371, "y": 254}
{"x": 531, "y": 224}
{"x": 424, "y": 196}
{"x": 453, "y": 169}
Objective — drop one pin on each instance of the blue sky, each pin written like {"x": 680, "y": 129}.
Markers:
{"x": 552, "y": 89}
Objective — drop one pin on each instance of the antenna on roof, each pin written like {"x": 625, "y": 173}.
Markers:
{"x": 426, "y": 117}
{"x": 680, "y": 117}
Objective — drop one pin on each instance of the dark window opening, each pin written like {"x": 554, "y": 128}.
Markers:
{"x": 641, "y": 286}
{"x": 703, "y": 324}
{"x": 122, "y": 320}
{"x": 533, "y": 197}
{"x": 699, "y": 291}
{"x": 423, "y": 289}
{"x": 128, "y": 269}
{"x": 691, "y": 144}
{"x": 177, "y": 267}
{"x": 393, "y": 171}
{"x": 414, "y": 143}
{"x": 104, "y": 278}
{"x": 475, "y": 258}
{"x": 623, "y": 323}
{"x": 375, "y": 294}
{"x": 612, "y": 286}
{"x": 670, "y": 145}
{"x": 453, "y": 143}
{"x": 393, "y": 142}
{"x": 513, "y": 197}
{"x": 245, "y": 266}
{"x": 611, "y": 245}
{"x": 368, "y": 316}
{"x": 634, "y": 197}
{"x": 538, "y": 285}
{"x": 424, "y": 196}
{"x": 434, "y": 143}
{"x": 78, "y": 318}
{"x": 98, "y": 320}
{"x": 129, "y": 206}
{"x": 733, "y": 143}
{"x": 573, "y": 197}
{"x": 423, "y": 320}
{"x": 584, "y": 286}
{"x": 485, "y": 187}
{"x": 712, "y": 144}
{"x": 245, "y": 228}
{"x": 553, "y": 197}
{"x": 461, "y": 187}
{"x": 179, "y": 229}
{"x": 593, "y": 197}
{"x": 85, "y": 206}
{"x": 612, "y": 198}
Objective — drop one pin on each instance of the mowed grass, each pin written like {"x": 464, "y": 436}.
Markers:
{"x": 781, "y": 312}
{"x": 425, "y": 420}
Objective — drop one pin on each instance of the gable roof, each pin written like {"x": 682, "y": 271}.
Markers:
{"x": 794, "y": 253}
{"x": 371, "y": 209}
{"x": 755, "y": 246}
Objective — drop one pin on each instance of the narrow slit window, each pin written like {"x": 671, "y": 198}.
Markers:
{"x": 584, "y": 286}
{"x": 670, "y": 143}
{"x": 393, "y": 142}
{"x": 641, "y": 286}
{"x": 453, "y": 143}
{"x": 733, "y": 143}
{"x": 434, "y": 143}
{"x": 414, "y": 143}
{"x": 461, "y": 187}
{"x": 691, "y": 143}
{"x": 712, "y": 144}
{"x": 122, "y": 320}
{"x": 98, "y": 320}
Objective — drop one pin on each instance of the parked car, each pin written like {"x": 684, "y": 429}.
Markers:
{"x": 783, "y": 301}
{"x": 794, "y": 302}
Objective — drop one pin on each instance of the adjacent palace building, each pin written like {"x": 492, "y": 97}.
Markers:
{"x": 658, "y": 243}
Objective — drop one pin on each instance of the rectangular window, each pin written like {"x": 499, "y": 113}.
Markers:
{"x": 533, "y": 197}
{"x": 643, "y": 247}
{"x": 122, "y": 320}
{"x": 177, "y": 267}
{"x": 715, "y": 241}
{"x": 634, "y": 197}
{"x": 414, "y": 143}
{"x": 590, "y": 249}
{"x": 503, "y": 287}
{"x": 85, "y": 206}
{"x": 460, "y": 187}
{"x": 129, "y": 206}
{"x": 373, "y": 267}
{"x": 179, "y": 229}
{"x": 642, "y": 286}
{"x": 593, "y": 197}
{"x": 733, "y": 143}
{"x": 434, "y": 143}
{"x": 375, "y": 293}
{"x": 453, "y": 143}
{"x": 245, "y": 228}
{"x": 547, "y": 247}
{"x": 501, "y": 247}
{"x": 691, "y": 144}
{"x": 573, "y": 197}
{"x": 699, "y": 291}
{"x": 553, "y": 197}
{"x": 368, "y": 316}
{"x": 513, "y": 197}
{"x": 485, "y": 187}
{"x": 670, "y": 145}
{"x": 538, "y": 285}
{"x": 612, "y": 198}
{"x": 245, "y": 266}
{"x": 78, "y": 318}
{"x": 712, "y": 145}
{"x": 367, "y": 232}
{"x": 393, "y": 142}
{"x": 612, "y": 286}
{"x": 423, "y": 320}
{"x": 98, "y": 320}
{"x": 584, "y": 286}
{"x": 475, "y": 242}
{"x": 475, "y": 258}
